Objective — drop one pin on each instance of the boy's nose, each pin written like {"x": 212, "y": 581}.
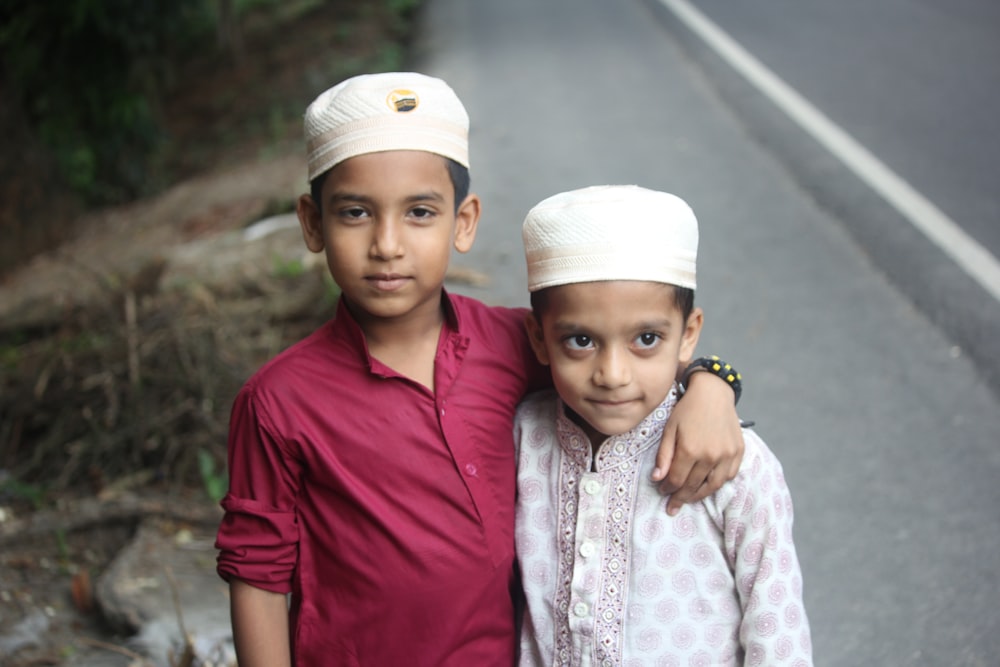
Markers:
{"x": 386, "y": 240}
{"x": 612, "y": 369}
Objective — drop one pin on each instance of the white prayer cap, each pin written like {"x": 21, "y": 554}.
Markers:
{"x": 372, "y": 113}
{"x": 610, "y": 232}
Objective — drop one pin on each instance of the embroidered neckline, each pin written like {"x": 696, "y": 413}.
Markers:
{"x": 618, "y": 449}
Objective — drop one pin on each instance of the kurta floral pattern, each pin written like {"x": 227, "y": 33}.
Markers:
{"x": 611, "y": 579}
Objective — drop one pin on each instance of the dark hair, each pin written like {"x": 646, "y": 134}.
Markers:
{"x": 459, "y": 175}
{"x": 460, "y": 180}
{"x": 683, "y": 299}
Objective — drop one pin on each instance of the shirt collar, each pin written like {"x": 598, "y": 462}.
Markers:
{"x": 452, "y": 316}
{"x": 617, "y": 449}
{"x": 344, "y": 326}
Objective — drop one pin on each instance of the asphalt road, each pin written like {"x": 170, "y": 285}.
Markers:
{"x": 917, "y": 81}
{"x": 886, "y": 426}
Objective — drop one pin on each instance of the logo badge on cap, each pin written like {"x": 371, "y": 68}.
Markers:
{"x": 402, "y": 101}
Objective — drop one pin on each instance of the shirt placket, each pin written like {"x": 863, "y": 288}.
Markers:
{"x": 462, "y": 447}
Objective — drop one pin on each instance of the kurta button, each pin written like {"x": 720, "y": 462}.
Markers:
{"x": 592, "y": 486}
{"x": 587, "y": 549}
{"x": 471, "y": 469}
{"x": 580, "y": 609}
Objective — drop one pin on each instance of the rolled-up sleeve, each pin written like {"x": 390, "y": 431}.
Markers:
{"x": 258, "y": 537}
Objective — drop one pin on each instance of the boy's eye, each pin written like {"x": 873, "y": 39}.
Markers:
{"x": 422, "y": 213}
{"x": 579, "y": 342}
{"x": 353, "y": 213}
{"x": 647, "y": 339}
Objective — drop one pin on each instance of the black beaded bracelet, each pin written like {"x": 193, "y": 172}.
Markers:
{"x": 717, "y": 367}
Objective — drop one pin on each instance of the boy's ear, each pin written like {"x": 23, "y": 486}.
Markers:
{"x": 536, "y": 338}
{"x": 311, "y": 222}
{"x": 690, "y": 335}
{"x": 466, "y": 222}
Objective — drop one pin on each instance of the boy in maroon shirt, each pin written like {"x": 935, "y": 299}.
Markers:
{"x": 372, "y": 464}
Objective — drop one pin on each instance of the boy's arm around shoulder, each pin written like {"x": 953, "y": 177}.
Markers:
{"x": 757, "y": 519}
{"x": 702, "y": 444}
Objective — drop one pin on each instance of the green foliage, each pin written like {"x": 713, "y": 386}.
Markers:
{"x": 10, "y": 356}
{"x": 247, "y": 5}
{"x": 403, "y": 7}
{"x": 402, "y": 12}
{"x": 83, "y": 342}
{"x": 213, "y": 477}
{"x": 62, "y": 545}
{"x": 390, "y": 58}
{"x": 33, "y": 493}
{"x": 290, "y": 268}
{"x": 89, "y": 74}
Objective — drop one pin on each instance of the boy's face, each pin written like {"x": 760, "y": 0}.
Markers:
{"x": 388, "y": 225}
{"x": 613, "y": 348}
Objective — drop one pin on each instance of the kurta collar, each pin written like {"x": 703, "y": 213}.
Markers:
{"x": 618, "y": 449}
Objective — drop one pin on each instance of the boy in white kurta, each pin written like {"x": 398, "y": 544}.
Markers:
{"x": 609, "y": 577}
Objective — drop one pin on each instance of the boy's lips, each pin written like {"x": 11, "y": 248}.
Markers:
{"x": 612, "y": 403}
{"x": 387, "y": 282}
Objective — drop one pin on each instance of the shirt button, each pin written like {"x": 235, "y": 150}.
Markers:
{"x": 471, "y": 469}
{"x": 592, "y": 486}
{"x": 587, "y": 549}
{"x": 580, "y": 609}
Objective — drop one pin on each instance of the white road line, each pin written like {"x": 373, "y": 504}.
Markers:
{"x": 968, "y": 253}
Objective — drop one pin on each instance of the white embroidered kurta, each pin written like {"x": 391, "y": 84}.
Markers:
{"x": 611, "y": 579}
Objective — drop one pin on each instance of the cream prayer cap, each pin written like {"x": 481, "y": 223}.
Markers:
{"x": 372, "y": 113}
{"x": 610, "y": 232}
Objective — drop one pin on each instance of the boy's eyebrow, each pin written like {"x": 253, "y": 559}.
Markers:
{"x": 570, "y": 326}
{"x": 664, "y": 323}
{"x": 563, "y": 325}
{"x": 436, "y": 197}
{"x": 348, "y": 195}
{"x": 345, "y": 198}
{"x": 365, "y": 199}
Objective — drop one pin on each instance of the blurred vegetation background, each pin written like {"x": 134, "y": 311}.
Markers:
{"x": 104, "y": 102}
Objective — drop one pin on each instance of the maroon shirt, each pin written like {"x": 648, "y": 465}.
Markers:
{"x": 387, "y": 510}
